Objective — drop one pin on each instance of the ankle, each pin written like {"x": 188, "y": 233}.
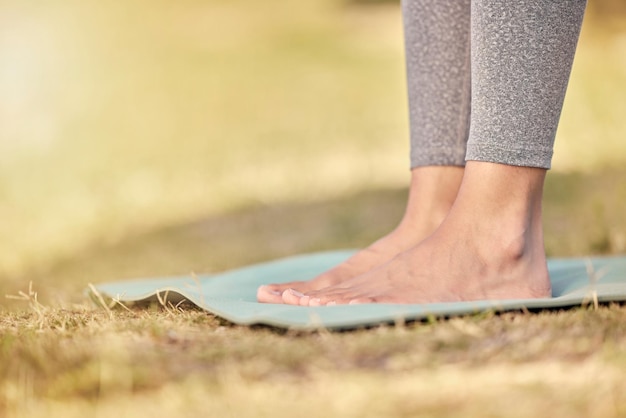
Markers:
{"x": 432, "y": 193}
{"x": 500, "y": 207}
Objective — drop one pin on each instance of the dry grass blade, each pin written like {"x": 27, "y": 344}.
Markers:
{"x": 167, "y": 305}
{"x": 30, "y": 297}
{"x": 594, "y": 277}
{"x": 100, "y": 300}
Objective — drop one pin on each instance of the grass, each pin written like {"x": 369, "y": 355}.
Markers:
{"x": 143, "y": 139}
{"x": 81, "y": 362}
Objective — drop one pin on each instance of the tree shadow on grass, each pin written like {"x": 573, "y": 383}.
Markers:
{"x": 584, "y": 214}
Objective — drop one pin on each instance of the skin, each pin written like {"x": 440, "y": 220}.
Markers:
{"x": 431, "y": 194}
{"x": 489, "y": 246}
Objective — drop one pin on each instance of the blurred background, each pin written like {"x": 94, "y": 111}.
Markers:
{"x": 121, "y": 118}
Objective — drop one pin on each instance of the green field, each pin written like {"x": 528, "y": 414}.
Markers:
{"x": 151, "y": 138}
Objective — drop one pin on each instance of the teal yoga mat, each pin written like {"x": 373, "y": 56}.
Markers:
{"x": 232, "y": 295}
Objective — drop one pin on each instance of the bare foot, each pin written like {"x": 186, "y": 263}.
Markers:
{"x": 431, "y": 194}
{"x": 489, "y": 247}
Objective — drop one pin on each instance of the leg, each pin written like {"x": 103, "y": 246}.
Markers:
{"x": 438, "y": 60}
{"x": 490, "y": 246}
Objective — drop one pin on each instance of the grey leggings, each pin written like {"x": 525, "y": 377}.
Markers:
{"x": 507, "y": 60}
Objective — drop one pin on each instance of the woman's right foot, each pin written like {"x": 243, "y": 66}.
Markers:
{"x": 431, "y": 194}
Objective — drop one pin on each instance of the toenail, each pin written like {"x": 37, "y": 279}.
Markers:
{"x": 266, "y": 289}
{"x": 296, "y": 293}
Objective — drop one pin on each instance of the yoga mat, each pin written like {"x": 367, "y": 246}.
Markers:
{"x": 232, "y": 294}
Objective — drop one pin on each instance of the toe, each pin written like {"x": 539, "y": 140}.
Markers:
{"x": 292, "y": 297}
{"x": 349, "y": 297}
{"x": 361, "y": 300}
{"x": 269, "y": 294}
{"x": 304, "y": 300}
